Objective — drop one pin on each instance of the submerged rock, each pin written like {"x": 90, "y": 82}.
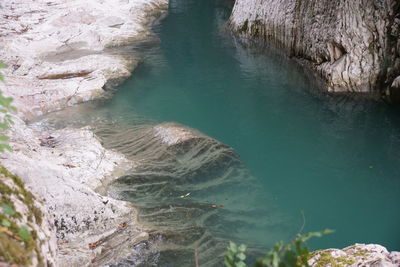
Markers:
{"x": 353, "y": 45}
{"x": 189, "y": 189}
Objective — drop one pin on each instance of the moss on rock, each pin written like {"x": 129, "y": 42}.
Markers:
{"x": 325, "y": 258}
{"x": 355, "y": 255}
{"x": 244, "y": 26}
{"x": 17, "y": 247}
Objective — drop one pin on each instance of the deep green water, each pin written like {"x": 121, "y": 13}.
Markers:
{"x": 335, "y": 158}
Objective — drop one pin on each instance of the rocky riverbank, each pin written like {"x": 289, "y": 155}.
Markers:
{"x": 354, "y": 46}
{"x": 60, "y": 53}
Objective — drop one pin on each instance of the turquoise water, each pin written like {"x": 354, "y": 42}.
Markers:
{"x": 337, "y": 159}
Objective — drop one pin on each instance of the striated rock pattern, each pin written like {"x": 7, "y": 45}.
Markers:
{"x": 189, "y": 187}
{"x": 353, "y": 45}
{"x": 174, "y": 166}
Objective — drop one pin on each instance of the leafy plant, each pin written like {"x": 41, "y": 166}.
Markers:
{"x": 292, "y": 254}
{"x": 5, "y": 117}
{"x": 7, "y": 209}
{"x": 7, "y": 227}
{"x": 24, "y": 233}
{"x": 235, "y": 255}
{"x": 2, "y": 66}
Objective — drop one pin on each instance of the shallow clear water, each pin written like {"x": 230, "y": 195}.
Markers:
{"x": 337, "y": 159}
{"x": 334, "y": 158}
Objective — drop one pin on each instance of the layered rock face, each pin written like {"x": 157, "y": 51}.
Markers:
{"x": 353, "y": 45}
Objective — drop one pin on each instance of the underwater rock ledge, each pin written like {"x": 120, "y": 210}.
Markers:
{"x": 178, "y": 182}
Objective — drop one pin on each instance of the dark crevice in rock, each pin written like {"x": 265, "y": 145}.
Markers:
{"x": 64, "y": 75}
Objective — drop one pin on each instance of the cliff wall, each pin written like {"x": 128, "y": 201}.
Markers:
{"x": 353, "y": 45}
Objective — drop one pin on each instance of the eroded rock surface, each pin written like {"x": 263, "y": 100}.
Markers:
{"x": 356, "y": 255}
{"x": 353, "y": 45}
{"x": 21, "y": 210}
{"x": 60, "y": 53}
{"x": 64, "y": 167}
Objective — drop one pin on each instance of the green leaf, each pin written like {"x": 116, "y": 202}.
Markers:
{"x": 240, "y": 264}
{"x": 232, "y": 247}
{"x": 241, "y": 256}
{"x": 228, "y": 263}
{"x": 3, "y": 65}
{"x": 4, "y": 138}
{"x": 5, "y": 223}
{"x": 7, "y": 209}
{"x": 242, "y": 248}
{"x": 3, "y": 126}
{"x": 305, "y": 237}
{"x": 24, "y": 233}
{"x": 8, "y": 120}
{"x": 328, "y": 231}
{"x": 4, "y": 147}
{"x": 275, "y": 260}
{"x": 5, "y": 101}
{"x": 230, "y": 255}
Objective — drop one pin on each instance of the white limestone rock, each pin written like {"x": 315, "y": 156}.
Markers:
{"x": 32, "y": 215}
{"x": 60, "y": 53}
{"x": 65, "y": 167}
{"x": 171, "y": 133}
{"x": 356, "y": 255}
{"x": 353, "y": 45}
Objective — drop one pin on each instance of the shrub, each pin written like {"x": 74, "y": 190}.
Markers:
{"x": 292, "y": 254}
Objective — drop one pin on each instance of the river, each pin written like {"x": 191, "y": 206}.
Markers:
{"x": 317, "y": 161}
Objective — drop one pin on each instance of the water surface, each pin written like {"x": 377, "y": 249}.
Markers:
{"x": 334, "y": 158}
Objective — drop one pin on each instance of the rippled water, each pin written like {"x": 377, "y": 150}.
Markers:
{"x": 288, "y": 147}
